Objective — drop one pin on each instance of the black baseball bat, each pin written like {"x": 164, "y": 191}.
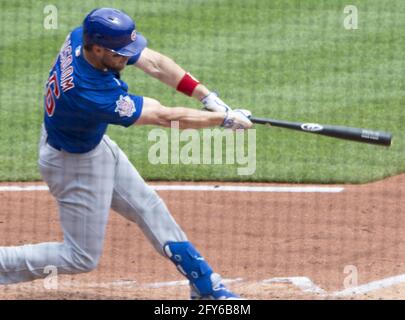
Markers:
{"x": 340, "y": 132}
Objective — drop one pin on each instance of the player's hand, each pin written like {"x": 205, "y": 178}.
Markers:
{"x": 212, "y": 102}
{"x": 237, "y": 119}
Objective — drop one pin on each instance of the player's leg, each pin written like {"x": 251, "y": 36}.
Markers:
{"x": 205, "y": 284}
{"x": 138, "y": 202}
{"x": 82, "y": 185}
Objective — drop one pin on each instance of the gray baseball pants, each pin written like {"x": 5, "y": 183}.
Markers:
{"x": 86, "y": 186}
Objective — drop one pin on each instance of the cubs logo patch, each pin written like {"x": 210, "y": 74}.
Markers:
{"x": 133, "y": 35}
{"x": 125, "y": 106}
{"x": 77, "y": 51}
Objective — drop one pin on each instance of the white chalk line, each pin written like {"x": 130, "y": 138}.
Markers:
{"x": 302, "y": 189}
{"x": 310, "y": 189}
{"x": 23, "y": 188}
{"x": 183, "y": 283}
{"x": 371, "y": 286}
{"x": 304, "y": 284}
{"x": 307, "y": 286}
{"x": 130, "y": 284}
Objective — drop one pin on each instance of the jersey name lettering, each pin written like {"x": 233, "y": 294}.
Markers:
{"x": 66, "y": 68}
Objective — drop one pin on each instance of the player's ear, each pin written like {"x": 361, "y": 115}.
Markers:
{"x": 98, "y": 50}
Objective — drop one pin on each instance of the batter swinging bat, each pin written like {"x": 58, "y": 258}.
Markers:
{"x": 347, "y": 133}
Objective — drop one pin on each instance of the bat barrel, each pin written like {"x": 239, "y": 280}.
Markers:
{"x": 347, "y": 133}
{"x": 360, "y": 135}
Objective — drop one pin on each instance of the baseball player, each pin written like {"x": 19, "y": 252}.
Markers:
{"x": 88, "y": 173}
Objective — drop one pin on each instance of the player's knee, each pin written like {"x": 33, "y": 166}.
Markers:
{"x": 83, "y": 262}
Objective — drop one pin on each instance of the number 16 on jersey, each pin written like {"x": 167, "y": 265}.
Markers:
{"x": 52, "y": 92}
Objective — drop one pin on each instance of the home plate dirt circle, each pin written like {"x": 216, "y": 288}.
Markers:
{"x": 271, "y": 241}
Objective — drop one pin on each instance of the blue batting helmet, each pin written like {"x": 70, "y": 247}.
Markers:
{"x": 114, "y": 30}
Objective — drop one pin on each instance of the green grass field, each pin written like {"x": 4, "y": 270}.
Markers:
{"x": 286, "y": 59}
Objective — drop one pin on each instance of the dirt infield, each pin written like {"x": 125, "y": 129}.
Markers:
{"x": 303, "y": 243}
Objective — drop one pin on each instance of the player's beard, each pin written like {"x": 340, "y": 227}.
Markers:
{"x": 113, "y": 67}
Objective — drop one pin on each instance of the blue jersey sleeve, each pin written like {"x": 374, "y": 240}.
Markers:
{"x": 124, "y": 111}
{"x": 113, "y": 106}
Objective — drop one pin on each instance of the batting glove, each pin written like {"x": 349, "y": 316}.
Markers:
{"x": 212, "y": 102}
{"x": 237, "y": 119}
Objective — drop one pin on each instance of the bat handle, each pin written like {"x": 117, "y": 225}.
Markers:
{"x": 259, "y": 120}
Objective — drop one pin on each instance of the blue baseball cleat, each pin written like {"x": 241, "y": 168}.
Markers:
{"x": 204, "y": 283}
{"x": 219, "y": 291}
